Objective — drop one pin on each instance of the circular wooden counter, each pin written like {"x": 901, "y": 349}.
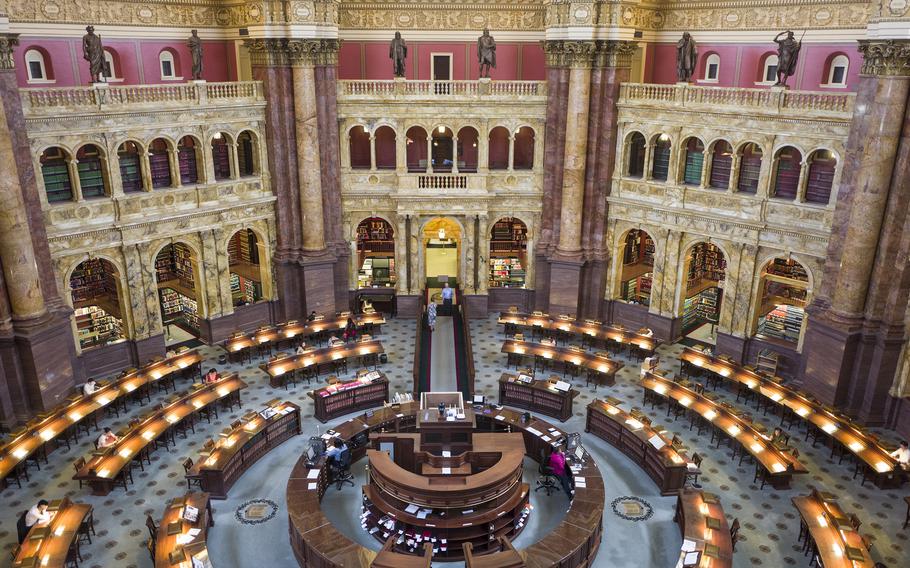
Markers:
{"x": 318, "y": 544}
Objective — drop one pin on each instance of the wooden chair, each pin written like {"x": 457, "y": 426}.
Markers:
{"x": 191, "y": 480}
{"x": 152, "y": 527}
{"x": 125, "y": 477}
{"x": 78, "y": 465}
{"x": 151, "y": 544}
{"x": 694, "y": 473}
{"x": 855, "y": 522}
{"x": 86, "y": 529}
{"x": 733, "y": 540}
{"x": 734, "y": 528}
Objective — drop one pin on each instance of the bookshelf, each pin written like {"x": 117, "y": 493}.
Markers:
{"x": 695, "y": 161}
{"x": 343, "y": 398}
{"x": 749, "y": 170}
{"x": 782, "y": 322}
{"x": 221, "y": 160}
{"x": 721, "y": 164}
{"x": 95, "y": 327}
{"x": 536, "y": 396}
{"x": 507, "y": 273}
{"x": 706, "y": 263}
{"x": 638, "y": 289}
{"x": 244, "y": 289}
{"x": 54, "y": 170}
{"x": 508, "y": 247}
{"x": 130, "y": 172}
{"x": 93, "y": 279}
{"x": 788, "y": 268}
{"x": 820, "y": 180}
{"x": 701, "y": 308}
{"x": 661, "y": 166}
{"x": 637, "y": 269}
{"x": 786, "y": 176}
{"x": 186, "y": 160}
{"x": 639, "y": 248}
{"x": 160, "y": 168}
{"x": 91, "y": 178}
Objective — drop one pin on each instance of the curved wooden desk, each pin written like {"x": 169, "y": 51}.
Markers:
{"x": 839, "y": 545}
{"x": 317, "y": 544}
{"x": 174, "y": 545}
{"x": 280, "y": 365}
{"x": 288, "y": 331}
{"x": 703, "y": 524}
{"x": 596, "y": 362}
{"x": 584, "y": 328}
{"x": 48, "y": 545}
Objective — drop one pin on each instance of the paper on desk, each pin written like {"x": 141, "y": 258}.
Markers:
{"x": 312, "y": 486}
{"x": 691, "y": 559}
{"x": 657, "y": 442}
{"x": 399, "y": 416}
{"x": 450, "y": 419}
{"x": 688, "y": 545}
{"x": 411, "y": 509}
{"x": 446, "y": 454}
{"x": 423, "y": 514}
{"x": 446, "y": 470}
{"x": 535, "y": 432}
{"x": 193, "y": 532}
{"x": 312, "y": 474}
{"x": 500, "y": 417}
{"x": 545, "y": 438}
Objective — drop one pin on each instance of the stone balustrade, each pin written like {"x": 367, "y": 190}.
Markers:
{"x": 761, "y": 101}
{"x": 483, "y": 89}
{"x": 42, "y": 102}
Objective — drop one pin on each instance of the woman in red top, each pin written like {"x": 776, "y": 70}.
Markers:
{"x": 211, "y": 376}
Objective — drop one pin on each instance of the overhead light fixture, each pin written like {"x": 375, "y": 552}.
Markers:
{"x": 442, "y": 129}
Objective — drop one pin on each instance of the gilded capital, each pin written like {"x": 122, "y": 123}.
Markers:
{"x": 886, "y": 58}
{"x": 570, "y": 53}
{"x": 614, "y": 53}
{"x": 283, "y": 52}
{"x": 7, "y": 43}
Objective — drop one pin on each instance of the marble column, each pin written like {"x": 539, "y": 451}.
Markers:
{"x": 851, "y": 346}
{"x": 574, "y": 157}
{"x": 308, "y": 160}
{"x": 174, "y": 164}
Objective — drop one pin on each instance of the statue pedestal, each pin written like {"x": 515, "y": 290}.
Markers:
{"x": 398, "y": 85}
{"x": 197, "y": 81}
{"x": 483, "y": 85}
{"x": 101, "y": 85}
{"x": 779, "y": 88}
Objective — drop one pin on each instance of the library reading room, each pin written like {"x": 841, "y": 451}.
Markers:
{"x": 454, "y": 283}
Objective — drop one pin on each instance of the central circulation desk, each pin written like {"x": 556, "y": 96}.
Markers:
{"x": 282, "y": 364}
{"x": 291, "y": 330}
{"x": 648, "y": 447}
{"x": 318, "y": 544}
{"x": 838, "y": 543}
{"x": 779, "y": 465}
{"x": 47, "y": 545}
{"x": 583, "y": 328}
{"x": 594, "y": 362}
{"x": 105, "y": 465}
{"x": 839, "y": 427}
{"x": 537, "y": 396}
{"x": 241, "y": 446}
{"x": 368, "y": 390}
{"x": 704, "y": 529}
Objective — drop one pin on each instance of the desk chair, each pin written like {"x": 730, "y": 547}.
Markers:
{"x": 152, "y": 527}
{"x": 341, "y": 469}
{"x": 191, "y": 480}
{"x": 548, "y": 480}
{"x": 694, "y": 473}
{"x": 87, "y": 529}
{"x": 150, "y": 545}
{"x": 73, "y": 556}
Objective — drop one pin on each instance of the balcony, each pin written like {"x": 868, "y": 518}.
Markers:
{"x": 47, "y": 103}
{"x": 449, "y": 91}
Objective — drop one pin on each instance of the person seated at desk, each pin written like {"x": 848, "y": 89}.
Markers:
{"x": 169, "y": 353}
{"x": 778, "y": 438}
{"x": 902, "y": 455}
{"x": 557, "y": 464}
{"x": 211, "y": 376}
{"x": 301, "y": 349}
{"x": 34, "y": 516}
{"x": 312, "y": 316}
{"x": 89, "y": 387}
{"x": 646, "y": 331}
{"x": 334, "y": 341}
{"x": 335, "y": 450}
{"x": 107, "y": 438}
{"x": 350, "y": 331}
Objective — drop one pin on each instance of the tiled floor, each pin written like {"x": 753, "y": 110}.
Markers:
{"x": 770, "y": 524}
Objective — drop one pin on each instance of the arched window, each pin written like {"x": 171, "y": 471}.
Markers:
{"x": 784, "y": 296}
{"x": 246, "y": 154}
{"x": 837, "y": 71}
{"x": 786, "y": 173}
{"x": 508, "y": 253}
{"x": 750, "y": 156}
{"x": 819, "y": 182}
{"x": 91, "y": 172}
{"x": 721, "y": 163}
{"x": 769, "y": 69}
{"x": 245, "y": 268}
{"x": 375, "y": 253}
{"x": 221, "y": 156}
{"x": 167, "y": 62}
{"x": 56, "y": 174}
{"x": 128, "y": 155}
{"x": 38, "y": 67}
{"x": 712, "y": 68}
{"x": 385, "y": 148}
{"x": 467, "y": 149}
{"x": 637, "y": 271}
{"x": 359, "y": 145}
{"x": 110, "y": 65}
{"x": 524, "y": 149}
{"x": 160, "y": 163}
{"x": 416, "y": 145}
{"x": 636, "y": 155}
{"x": 660, "y": 161}
{"x": 95, "y": 289}
{"x": 695, "y": 161}
{"x": 188, "y": 160}
{"x": 499, "y": 148}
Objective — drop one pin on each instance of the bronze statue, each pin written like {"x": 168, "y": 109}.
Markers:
{"x": 398, "y": 52}
{"x": 486, "y": 53}
{"x": 195, "y": 45}
{"x": 787, "y": 54}
{"x": 93, "y": 52}
{"x": 686, "y": 58}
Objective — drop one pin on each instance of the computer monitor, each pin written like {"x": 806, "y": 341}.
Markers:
{"x": 311, "y": 454}
{"x": 579, "y": 452}
{"x": 479, "y": 399}
{"x": 573, "y": 440}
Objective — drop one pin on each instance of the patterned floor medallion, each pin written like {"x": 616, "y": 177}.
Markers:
{"x": 632, "y": 508}
{"x": 256, "y": 511}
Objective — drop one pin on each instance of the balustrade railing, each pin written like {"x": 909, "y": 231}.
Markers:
{"x": 442, "y": 182}
{"x": 42, "y": 101}
{"x": 442, "y": 89}
{"x": 761, "y": 100}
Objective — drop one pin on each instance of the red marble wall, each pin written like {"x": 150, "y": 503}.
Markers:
{"x": 370, "y": 60}
{"x": 741, "y": 65}
{"x": 136, "y": 60}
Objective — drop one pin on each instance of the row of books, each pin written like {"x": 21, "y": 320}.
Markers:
{"x": 783, "y": 322}
{"x": 95, "y": 327}
{"x": 639, "y": 248}
{"x": 506, "y": 273}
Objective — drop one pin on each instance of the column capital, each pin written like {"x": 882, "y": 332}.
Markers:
{"x": 570, "y": 53}
{"x": 283, "y": 52}
{"x": 885, "y": 58}
{"x": 7, "y": 43}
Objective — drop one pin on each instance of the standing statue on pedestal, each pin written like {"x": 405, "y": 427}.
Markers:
{"x": 195, "y": 45}
{"x": 486, "y": 53}
{"x": 686, "y": 58}
{"x": 398, "y": 53}
{"x": 93, "y": 52}
{"x": 787, "y": 54}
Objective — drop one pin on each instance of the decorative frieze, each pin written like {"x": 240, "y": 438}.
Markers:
{"x": 887, "y": 58}
{"x": 444, "y": 15}
{"x": 283, "y": 52}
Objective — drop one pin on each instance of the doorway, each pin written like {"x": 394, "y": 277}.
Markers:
{"x": 703, "y": 287}
{"x": 179, "y": 293}
{"x": 441, "y": 70}
{"x": 442, "y": 248}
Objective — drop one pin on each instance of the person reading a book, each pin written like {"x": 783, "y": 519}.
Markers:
{"x": 38, "y": 514}
{"x": 350, "y": 331}
{"x": 301, "y": 349}
{"x": 312, "y": 316}
{"x": 902, "y": 455}
{"x": 89, "y": 387}
{"x": 211, "y": 376}
{"x": 107, "y": 438}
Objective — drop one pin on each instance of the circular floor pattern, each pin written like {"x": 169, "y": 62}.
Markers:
{"x": 632, "y": 508}
{"x": 256, "y": 511}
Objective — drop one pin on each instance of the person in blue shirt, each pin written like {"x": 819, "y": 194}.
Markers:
{"x": 338, "y": 446}
{"x": 447, "y": 295}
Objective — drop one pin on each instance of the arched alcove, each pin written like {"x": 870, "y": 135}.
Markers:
{"x": 95, "y": 290}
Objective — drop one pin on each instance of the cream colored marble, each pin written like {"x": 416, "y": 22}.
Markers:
{"x": 308, "y": 162}
{"x": 576, "y": 148}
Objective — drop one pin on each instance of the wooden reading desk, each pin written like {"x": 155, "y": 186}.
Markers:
{"x": 585, "y": 328}
{"x": 239, "y": 343}
{"x": 779, "y": 465}
{"x": 368, "y": 390}
{"x": 47, "y": 545}
{"x": 839, "y": 545}
{"x": 884, "y": 468}
{"x": 80, "y": 407}
{"x": 704, "y": 528}
{"x": 543, "y": 396}
{"x": 180, "y": 539}
{"x": 598, "y": 363}
{"x": 365, "y": 348}
{"x": 102, "y": 470}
